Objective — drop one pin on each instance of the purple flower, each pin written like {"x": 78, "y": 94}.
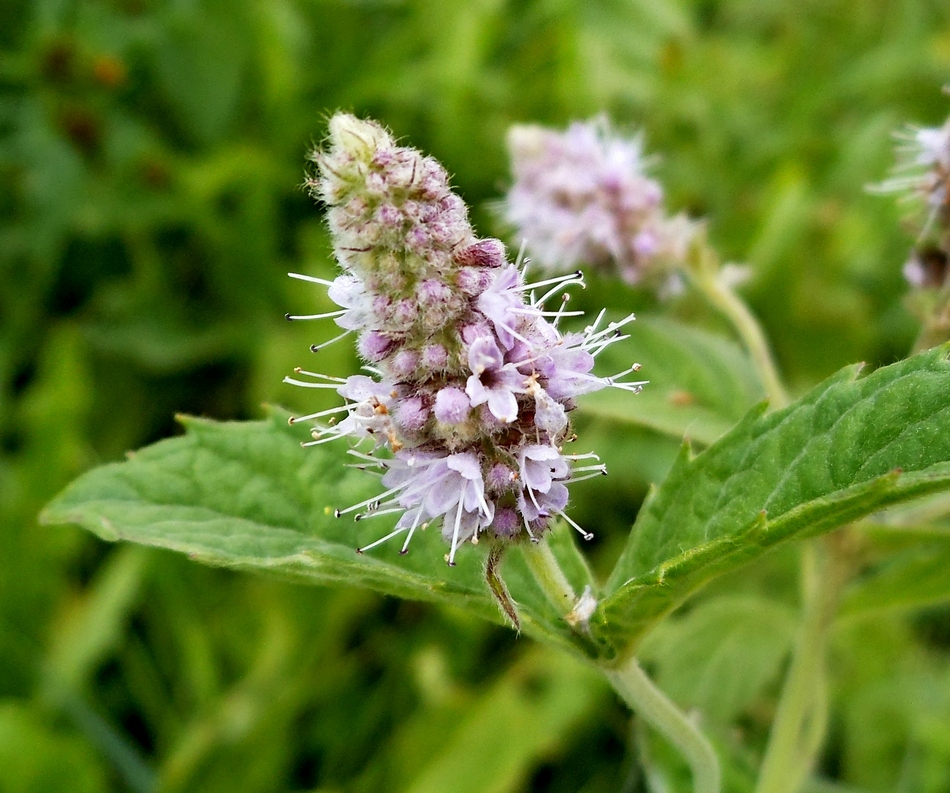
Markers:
{"x": 582, "y": 196}
{"x": 452, "y": 405}
{"x": 492, "y": 380}
{"x": 923, "y": 173}
{"x": 502, "y": 303}
{"x": 467, "y": 406}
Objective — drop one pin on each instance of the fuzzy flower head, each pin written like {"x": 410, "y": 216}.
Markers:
{"x": 924, "y": 166}
{"x": 582, "y": 196}
{"x": 922, "y": 175}
{"x": 466, "y": 411}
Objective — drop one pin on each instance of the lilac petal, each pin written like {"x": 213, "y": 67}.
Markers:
{"x": 503, "y": 405}
{"x": 537, "y": 476}
{"x": 527, "y": 508}
{"x": 555, "y": 499}
{"x": 476, "y": 391}
{"x": 359, "y": 388}
{"x": 549, "y": 415}
{"x": 484, "y": 355}
{"x": 442, "y": 495}
{"x": 466, "y": 464}
{"x": 346, "y": 291}
{"x": 540, "y": 452}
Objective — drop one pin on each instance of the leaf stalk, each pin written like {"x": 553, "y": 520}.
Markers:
{"x": 647, "y": 701}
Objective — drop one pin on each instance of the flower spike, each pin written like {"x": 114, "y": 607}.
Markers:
{"x": 470, "y": 381}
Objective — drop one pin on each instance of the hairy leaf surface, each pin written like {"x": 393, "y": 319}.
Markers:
{"x": 246, "y": 495}
{"x": 848, "y": 448}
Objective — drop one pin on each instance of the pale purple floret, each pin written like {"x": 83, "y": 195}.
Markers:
{"x": 404, "y": 364}
{"x": 427, "y": 486}
{"x": 483, "y": 253}
{"x": 359, "y": 388}
{"x": 503, "y": 304}
{"x": 535, "y": 506}
{"x": 411, "y": 414}
{"x": 435, "y": 356}
{"x": 350, "y": 293}
{"x": 375, "y": 346}
{"x": 540, "y": 466}
{"x": 549, "y": 414}
{"x": 492, "y": 381}
{"x": 452, "y": 405}
{"x": 567, "y": 367}
{"x": 923, "y": 172}
{"x": 367, "y": 415}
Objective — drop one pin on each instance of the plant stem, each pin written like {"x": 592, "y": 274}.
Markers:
{"x": 935, "y": 330}
{"x": 706, "y": 274}
{"x": 799, "y": 726}
{"x": 647, "y": 701}
{"x": 749, "y": 330}
{"x": 549, "y": 576}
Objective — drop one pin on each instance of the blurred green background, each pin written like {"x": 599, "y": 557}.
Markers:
{"x": 151, "y": 161}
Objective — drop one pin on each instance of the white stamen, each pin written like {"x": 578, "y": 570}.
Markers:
{"x": 302, "y": 384}
{"x": 311, "y": 279}
{"x": 455, "y": 534}
{"x": 318, "y": 347}
{"x": 585, "y": 534}
{"x": 297, "y": 419}
{"x": 381, "y": 540}
{"x": 327, "y": 315}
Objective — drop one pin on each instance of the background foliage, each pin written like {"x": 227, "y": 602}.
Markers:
{"x": 150, "y": 161}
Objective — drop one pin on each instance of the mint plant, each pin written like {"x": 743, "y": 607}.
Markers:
{"x": 465, "y": 414}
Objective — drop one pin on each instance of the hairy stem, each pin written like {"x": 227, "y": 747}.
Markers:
{"x": 799, "y": 727}
{"x": 648, "y": 702}
{"x": 549, "y": 576}
{"x": 706, "y": 274}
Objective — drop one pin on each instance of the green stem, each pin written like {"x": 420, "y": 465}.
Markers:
{"x": 647, "y": 701}
{"x": 932, "y": 307}
{"x": 549, "y": 576}
{"x": 799, "y": 727}
{"x": 935, "y": 330}
{"x": 706, "y": 274}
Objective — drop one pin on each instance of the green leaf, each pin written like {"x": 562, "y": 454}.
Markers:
{"x": 912, "y": 578}
{"x": 201, "y": 57}
{"x": 492, "y": 746}
{"x": 720, "y": 656}
{"x": 846, "y": 449}
{"x": 700, "y": 384}
{"x": 35, "y": 758}
{"x": 247, "y": 496}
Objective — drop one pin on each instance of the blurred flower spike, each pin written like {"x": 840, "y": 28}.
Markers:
{"x": 471, "y": 378}
{"x": 582, "y": 197}
{"x": 923, "y": 175}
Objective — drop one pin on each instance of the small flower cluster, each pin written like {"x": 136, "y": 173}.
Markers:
{"x": 582, "y": 197}
{"x": 924, "y": 174}
{"x": 471, "y": 379}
